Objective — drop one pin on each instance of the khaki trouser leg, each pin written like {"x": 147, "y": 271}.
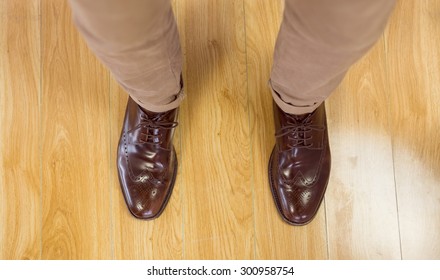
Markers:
{"x": 138, "y": 41}
{"x": 318, "y": 41}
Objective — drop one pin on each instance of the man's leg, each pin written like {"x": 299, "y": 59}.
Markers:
{"x": 317, "y": 43}
{"x": 139, "y": 43}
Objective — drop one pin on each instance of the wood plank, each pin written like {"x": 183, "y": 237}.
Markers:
{"x": 413, "y": 58}
{"x": 75, "y": 161}
{"x": 20, "y": 196}
{"x": 274, "y": 238}
{"x": 361, "y": 200}
{"x": 217, "y": 198}
{"x": 161, "y": 238}
{"x": 133, "y": 238}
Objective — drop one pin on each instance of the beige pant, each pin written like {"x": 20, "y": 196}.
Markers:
{"x": 318, "y": 41}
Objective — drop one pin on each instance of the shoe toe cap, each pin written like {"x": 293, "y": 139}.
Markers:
{"x": 140, "y": 211}
{"x": 145, "y": 202}
{"x": 296, "y": 208}
{"x": 295, "y": 218}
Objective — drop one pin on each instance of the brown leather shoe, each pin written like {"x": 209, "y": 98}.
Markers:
{"x": 147, "y": 161}
{"x": 299, "y": 166}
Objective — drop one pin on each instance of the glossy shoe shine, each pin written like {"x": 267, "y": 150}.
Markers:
{"x": 299, "y": 166}
{"x": 147, "y": 162}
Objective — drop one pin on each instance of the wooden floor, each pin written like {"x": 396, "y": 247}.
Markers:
{"x": 61, "y": 114}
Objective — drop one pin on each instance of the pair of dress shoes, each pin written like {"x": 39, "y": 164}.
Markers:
{"x": 299, "y": 165}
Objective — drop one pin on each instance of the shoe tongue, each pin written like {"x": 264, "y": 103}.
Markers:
{"x": 151, "y": 115}
{"x": 300, "y": 118}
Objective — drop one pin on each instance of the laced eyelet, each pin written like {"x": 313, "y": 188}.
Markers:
{"x": 298, "y": 133}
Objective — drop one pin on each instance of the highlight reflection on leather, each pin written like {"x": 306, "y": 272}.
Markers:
{"x": 147, "y": 161}
{"x": 299, "y": 166}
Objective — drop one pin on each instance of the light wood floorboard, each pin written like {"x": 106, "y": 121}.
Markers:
{"x": 20, "y": 135}
{"x": 413, "y": 59}
{"x": 133, "y": 238}
{"x": 274, "y": 238}
{"x": 362, "y": 220}
{"x": 217, "y": 200}
{"x": 75, "y": 142}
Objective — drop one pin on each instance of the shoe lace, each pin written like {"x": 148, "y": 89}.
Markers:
{"x": 153, "y": 123}
{"x": 298, "y": 132}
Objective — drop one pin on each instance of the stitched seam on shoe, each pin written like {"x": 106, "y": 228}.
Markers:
{"x": 315, "y": 178}
{"x": 167, "y": 197}
{"x": 274, "y": 194}
{"x": 276, "y": 198}
{"x": 133, "y": 177}
{"x": 278, "y": 206}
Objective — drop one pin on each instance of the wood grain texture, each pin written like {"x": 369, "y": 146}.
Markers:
{"x": 133, "y": 238}
{"x": 217, "y": 197}
{"x": 20, "y": 200}
{"x": 61, "y": 115}
{"x": 361, "y": 200}
{"x": 161, "y": 238}
{"x": 274, "y": 238}
{"x": 75, "y": 137}
{"x": 413, "y": 57}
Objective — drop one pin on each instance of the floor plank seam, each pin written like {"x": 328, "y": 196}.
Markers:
{"x": 390, "y": 129}
{"x": 180, "y": 181}
{"x": 40, "y": 114}
{"x": 326, "y": 229}
{"x": 111, "y": 202}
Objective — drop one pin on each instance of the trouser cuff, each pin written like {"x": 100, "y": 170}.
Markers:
{"x": 161, "y": 108}
{"x": 290, "y": 108}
